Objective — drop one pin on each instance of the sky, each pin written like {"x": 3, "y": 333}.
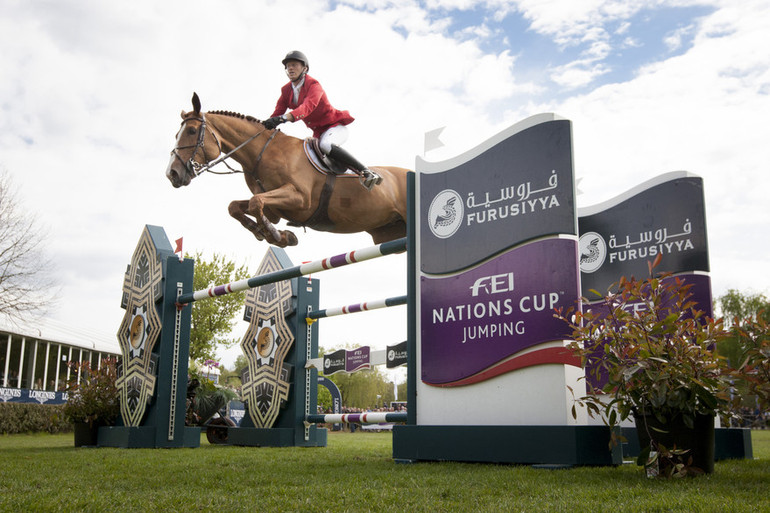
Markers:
{"x": 92, "y": 92}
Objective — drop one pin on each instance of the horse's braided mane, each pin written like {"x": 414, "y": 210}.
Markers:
{"x": 251, "y": 119}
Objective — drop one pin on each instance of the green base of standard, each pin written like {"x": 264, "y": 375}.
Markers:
{"x": 729, "y": 444}
{"x": 276, "y": 437}
{"x": 527, "y": 445}
{"x": 148, "y": 437}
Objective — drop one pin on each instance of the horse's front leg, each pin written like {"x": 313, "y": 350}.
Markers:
{"x": 238, "y": 209}
{"x": 283, "y": 199}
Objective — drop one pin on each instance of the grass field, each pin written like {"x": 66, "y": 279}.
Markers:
{"x": 354, "y": 473}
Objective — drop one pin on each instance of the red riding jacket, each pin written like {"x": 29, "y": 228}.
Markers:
{"x": 312, "y": 107}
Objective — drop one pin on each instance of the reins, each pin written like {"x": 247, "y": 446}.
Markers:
{"x": 197, "y": 168}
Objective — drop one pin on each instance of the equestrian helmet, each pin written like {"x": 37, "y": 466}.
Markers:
{"x": 296, "y": 55}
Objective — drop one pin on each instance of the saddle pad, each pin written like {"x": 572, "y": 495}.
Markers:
{"x": 318, "y": 163}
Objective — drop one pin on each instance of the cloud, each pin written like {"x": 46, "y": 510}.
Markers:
{"x": 578, "y": 74}
{"x": 699, "y": 112}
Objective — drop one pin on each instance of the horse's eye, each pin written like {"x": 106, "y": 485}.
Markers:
{"x": 191, "y": 130}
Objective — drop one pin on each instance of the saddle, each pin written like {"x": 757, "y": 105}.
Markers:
{"x": 319, "y": 220}
{"x": 322, "y": 162}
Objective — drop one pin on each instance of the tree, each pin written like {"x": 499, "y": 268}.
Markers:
{"x": 402, "y": 391}
{"x": 324, "y": 399}
{"x": 213, "y": 320}
{"x": 748, "y": 346}
{"x": 737, "y": 307}
{"x": 232, "y": 378}
{"x": 738, "y": 310}
{"x": 754, "y": 334}
{"x": 240, "y": 364}
{"x": 26, "y": 286}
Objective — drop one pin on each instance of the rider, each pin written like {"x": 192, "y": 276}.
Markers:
{"x": 307, "y": 101}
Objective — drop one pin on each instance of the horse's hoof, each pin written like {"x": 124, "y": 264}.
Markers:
{"x": 291, "y": 239}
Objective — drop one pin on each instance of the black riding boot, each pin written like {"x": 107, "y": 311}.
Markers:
{"x": 368, "y": 178}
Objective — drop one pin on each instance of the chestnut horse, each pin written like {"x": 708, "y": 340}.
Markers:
{"x": 283, "y": 182}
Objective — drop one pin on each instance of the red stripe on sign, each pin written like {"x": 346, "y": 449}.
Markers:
{"x": 543, "y": 356}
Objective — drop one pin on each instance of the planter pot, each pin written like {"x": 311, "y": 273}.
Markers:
{"x": 674, "y": 433}
{"x": 85, "y": 434}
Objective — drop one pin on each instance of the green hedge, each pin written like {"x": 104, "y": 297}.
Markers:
{"x": 32, "y": 418}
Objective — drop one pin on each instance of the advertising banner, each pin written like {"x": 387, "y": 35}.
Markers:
{"x": 395, "y": 355}
{"x": 662, "y": 217}
{"x": 334, "y": 362}
{"x": 357, "y": 359}
{"x": 519, "y": 188}
{"x": 24, "y": 395}
{"x": 498, "y": 252}
{"x": 665, "y": 216}
{"x": 475, "y": 319}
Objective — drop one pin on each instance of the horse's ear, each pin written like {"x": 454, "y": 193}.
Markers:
{"x": 183, "y": 113}
{"x": 196, "y": 104}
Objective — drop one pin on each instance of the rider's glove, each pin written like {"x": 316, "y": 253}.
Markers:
{"x": 273, "y": 122}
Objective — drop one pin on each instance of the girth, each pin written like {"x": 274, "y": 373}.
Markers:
{"x": 319, "y": 220}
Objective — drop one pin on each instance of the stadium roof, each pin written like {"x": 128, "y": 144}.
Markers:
{"x": 51, "y": 330}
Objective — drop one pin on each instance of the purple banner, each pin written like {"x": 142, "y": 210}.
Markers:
{"x": 478, "y": 318}
{"x": 357, "y": 359}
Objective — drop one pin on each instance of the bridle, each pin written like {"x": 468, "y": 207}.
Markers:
{"x": 196, "y": 168}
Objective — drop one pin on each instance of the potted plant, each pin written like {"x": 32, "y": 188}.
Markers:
{"x": 649, "y": 353}
{"x": 92, "y": 400}
{"x": 206, "y": 406}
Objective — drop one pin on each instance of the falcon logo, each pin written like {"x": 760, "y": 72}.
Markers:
{"x": 445, "y": 214}
{"x": 593, "y": 251}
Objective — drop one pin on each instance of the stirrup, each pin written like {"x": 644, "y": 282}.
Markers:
{"x": 369, "y": 179}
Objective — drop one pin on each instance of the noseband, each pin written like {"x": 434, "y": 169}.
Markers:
{"x": 196, "y": 168}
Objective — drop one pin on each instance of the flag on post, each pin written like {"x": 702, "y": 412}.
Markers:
{"x": 179, "y": 248}
{"x": 432, "y": 140}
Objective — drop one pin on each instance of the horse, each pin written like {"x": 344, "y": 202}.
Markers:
{"x": 283, "y": 182}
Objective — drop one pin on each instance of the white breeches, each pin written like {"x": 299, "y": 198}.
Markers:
{"x": 335, "y": 135}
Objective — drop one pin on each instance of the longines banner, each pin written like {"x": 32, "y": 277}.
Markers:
{"x": 664, "y": 216}
{"x": 335, "y": 362}
{"x": 396, "y": 355}
{"x": 498, "y": 252}
{"x": 24, "y": 395}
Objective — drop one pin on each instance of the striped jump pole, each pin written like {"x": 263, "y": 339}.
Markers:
{"x": 352, "y": 257}
{"x": 375, "y": 417}
{"x": 355, "y": 308}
